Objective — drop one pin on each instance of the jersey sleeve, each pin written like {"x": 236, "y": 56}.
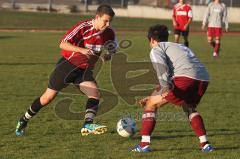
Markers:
{"x": 73, "y": 34}
{"x": 174, "y": 12}
{"x": 225, "y": 19}
{"x": 206, "y": 16}
{"x": 159, "y": 62}
{"x": 190, "y": 13}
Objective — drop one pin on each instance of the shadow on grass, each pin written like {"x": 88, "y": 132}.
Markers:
{"x": 189, "y": 133}
{"x": 228, "y": 148}
{"x": 25, "y": 64}
{"x": 175, "y": 149}
{"x": 6, "y": 37}
{"x": 193, "y": 148}
{"x": 211, "y": 132}
{"x": 161, "y": 135}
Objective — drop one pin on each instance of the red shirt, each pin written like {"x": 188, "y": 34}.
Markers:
{"x": 84, "y": 35}
{"x": 182, "y": 13}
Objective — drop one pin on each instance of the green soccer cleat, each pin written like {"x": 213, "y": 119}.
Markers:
{"x": 95, "y": 129}
{"x": 20, "y": 128}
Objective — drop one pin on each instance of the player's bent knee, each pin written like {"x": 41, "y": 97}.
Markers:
{"x": 94, "y": 95}
{"x": 192, "y": 115}
{"x": 45, "y": 100}
{"x": 210, "y": 41}
{"x": 189, "y": 111}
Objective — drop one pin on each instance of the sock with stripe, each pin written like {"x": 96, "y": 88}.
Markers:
{"x": 148, "y": 124}
{"x": 198, "y": 127}
{"x": 32, "y": 110}
{"x": 91, "y": 110}
{"x": 217, "y": 47}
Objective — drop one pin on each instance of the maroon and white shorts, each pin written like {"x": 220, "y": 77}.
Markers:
{"x": 214, "y": 32}
{"x": 186, "y": 91}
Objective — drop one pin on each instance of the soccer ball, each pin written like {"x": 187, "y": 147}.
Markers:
{"x": 126, "y": 127}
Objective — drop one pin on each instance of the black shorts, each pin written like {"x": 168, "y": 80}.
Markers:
{"x": 180, "y": 32}
{"x": 66, "y": 73}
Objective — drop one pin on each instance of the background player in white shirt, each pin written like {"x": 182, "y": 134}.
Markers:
{"x": 215, "y": 18}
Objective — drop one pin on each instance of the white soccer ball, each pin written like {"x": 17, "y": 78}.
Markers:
{"x": 126, "y": 127}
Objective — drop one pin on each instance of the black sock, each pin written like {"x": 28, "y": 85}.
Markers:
{"x": 91, "y": 110}
{"x": 186, "y": 43}
{"x": 32, "y": 110}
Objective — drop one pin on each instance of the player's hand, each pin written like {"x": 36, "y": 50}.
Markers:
{"x": 174, "y": 24}
{"x": 143, "y": 101}
{"x": 87, "y": 52}
{"x": 185, "y": 27}
{"x": 226, "y": 29}
{"x": 203, "y": 27}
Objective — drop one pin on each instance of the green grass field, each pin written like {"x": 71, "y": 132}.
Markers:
{"x": 27, "y": 59}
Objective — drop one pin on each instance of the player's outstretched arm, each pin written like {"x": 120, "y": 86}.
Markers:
{"x": 156, "y": 100}
{"x": 188, "y": 23}
{"x": 174, "y": 22}
{"x": 70, "y": 47}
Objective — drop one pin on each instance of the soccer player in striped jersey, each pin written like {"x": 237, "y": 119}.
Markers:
{"x": 182, "y": 17}
{"x": 216, "y": 19}
{"x": 183, "y": 80}
{"x": 81, "y": 48}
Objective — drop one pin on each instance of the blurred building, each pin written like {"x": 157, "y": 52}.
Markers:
{"x": 123, "y": 3}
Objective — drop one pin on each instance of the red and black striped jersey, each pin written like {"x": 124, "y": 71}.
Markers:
{"x": 85, "y": 35}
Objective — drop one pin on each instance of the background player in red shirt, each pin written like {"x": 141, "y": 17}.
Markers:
{"x": 81, "y": 48}
{"x": 182, "y": 17}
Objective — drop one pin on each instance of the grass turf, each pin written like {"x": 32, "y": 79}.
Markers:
{"x": 27, "y": 59}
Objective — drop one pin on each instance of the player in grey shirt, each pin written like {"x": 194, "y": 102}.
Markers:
{"x": 172, "y": 60}
{"x": 183, "y": 80}
{"x": 216, "y": 18}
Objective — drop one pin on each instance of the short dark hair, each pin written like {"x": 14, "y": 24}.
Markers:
{"x": 158, "y": 32}
{"x": 105, "y": 9}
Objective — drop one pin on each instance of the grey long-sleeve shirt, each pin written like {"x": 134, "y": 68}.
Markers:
{"x": 216, "y": 15}
{"x": 176, "y": 60}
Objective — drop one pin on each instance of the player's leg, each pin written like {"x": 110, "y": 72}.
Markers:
{"x": 210, "y": 37}
{"x": 218, "y": 34}
{"x": 90, "y": 89}
{"x": 194, "y": 93}
{"x": 39, "y": 103}
{"x": 56, "y": 83}
{"x": 198, "y": 127}
{"x": 176, "y": 35}
{"x": 155, "y": 101}
{"x": 217, "y": 46}
{"x": 34, "y": 108}
{"x": 211, "y": 41}
{"x": 185, "y": 37}
{"x": 186, "y": 42}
